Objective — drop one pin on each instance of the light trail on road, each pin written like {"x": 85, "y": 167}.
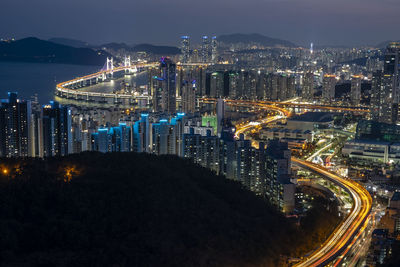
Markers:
{"x": 347, "y": 233}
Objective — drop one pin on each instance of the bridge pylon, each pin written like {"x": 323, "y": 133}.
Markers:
{"x": 110, "y": 66}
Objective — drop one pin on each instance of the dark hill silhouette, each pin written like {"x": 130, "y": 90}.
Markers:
{"x": 35, "y": 50}
{"x": 69, "y": 42}
{"x": 127, "y": 209}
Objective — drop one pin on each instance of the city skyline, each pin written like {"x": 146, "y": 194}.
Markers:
{"x": 198, "y": 133}
{"x": 322, "y": 22}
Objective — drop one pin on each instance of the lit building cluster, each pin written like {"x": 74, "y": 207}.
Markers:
{"x": 27, "y": 131}
{"x": 206, "y": 53}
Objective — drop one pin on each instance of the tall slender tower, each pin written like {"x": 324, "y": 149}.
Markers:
{"x": 205, "y": 49}
{"x": 168, "y": 85}
{"x": 189, "y": 96}
{"x": 307, "y": 91}
{"x": 328, "y": 88}
{"x": 15, "y": 116}
{"x": 386, "y": 87}
{"x": 355, "y": 92}
{"x": 185, "y": 48}
{"x": 214, "y": 52}
{"x": 57, "y": 138}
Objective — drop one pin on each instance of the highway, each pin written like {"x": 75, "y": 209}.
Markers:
{"x": 352, "y": 227}
{"x": 343, "y": 236}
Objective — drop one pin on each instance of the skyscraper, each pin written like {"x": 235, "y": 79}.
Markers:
{"x": 279, "y": 189}
{"x": 202, "y": 149}
{"x": 233, "y": 84}
{"x": 189, "y": 96}
{"x": 383, "y": 108}
{"x": 57, "y": 138}
{"x": 205, "y": 49}
{"x": 355, "y": 93}
{"x": 157, "y": 93}
{"x": 214, "y": 49}
{"x": 220, "y": 115}
{"x": 163, "y": 138}
{"x": 141, "y": 134}
{"x": 185, "y": 48}
{"x": 307, "y": 91}
{"x": 243, "y": 161}
{"x": 168, "y": 85}
{"x": 392, "y": 67}
{"x": 15, "y": 116}
{"x": 328, "y": 87}
{"x": 385, "y": 87}
{"x": 217, "y": 84}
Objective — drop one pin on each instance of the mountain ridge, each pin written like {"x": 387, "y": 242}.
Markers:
{"x": 32, "y": 49}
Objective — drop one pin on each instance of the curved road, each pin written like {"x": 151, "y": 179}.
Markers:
{"x": 350, "y": 227}
{"x": 345, "y": 235}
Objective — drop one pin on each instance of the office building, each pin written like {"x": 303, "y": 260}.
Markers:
{"x": 385, "y": 87}
{"x": 278, "y": 188}
{"x": 185, "y": 49}
{"x": 168, "y": 86}
{"x": 383, "y": 107}
{"x": 243, "y": 161}
{"x": 220, "y": 115}
{"x": 217, "y": 84}
{"x": 141, "y": 135}
{"x": 57, "y": 130}
{"x": 188, "y": 97}
{"x": 202, "y": 149}
{"x": 179, "y": 122}
{"x": 205, "y": 49}
{"x": 355, "y": 90}
{"x": 163, "y": 138}
{"x": 214, "y": 49}
{"x": 328, "y": 87}
{"x": 15, "y": 116}
{"x": 377, "y": 131}
{"x": 307, "y": 91}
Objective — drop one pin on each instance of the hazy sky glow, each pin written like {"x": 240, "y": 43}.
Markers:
{"x": 337, "y": 22}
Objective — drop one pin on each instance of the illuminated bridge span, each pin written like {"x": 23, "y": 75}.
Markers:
{"x": 74, "y": 89}
{"x": 349, "y": 231}
{"x": 69, "y": 89}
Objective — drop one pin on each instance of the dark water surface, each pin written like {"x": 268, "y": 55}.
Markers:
{"x": 40, "y": 78}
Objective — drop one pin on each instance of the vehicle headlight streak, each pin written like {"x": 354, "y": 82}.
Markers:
{"x": 346, "y": 234}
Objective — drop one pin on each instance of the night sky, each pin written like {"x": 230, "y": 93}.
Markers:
{"x": 336, "y": 22}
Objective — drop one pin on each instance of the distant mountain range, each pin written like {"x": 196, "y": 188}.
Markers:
{"x": 385, "y": 44}
{"x": 69, "y": 42}
{"x": 148, "y": 48}
{"x": 35, "y": 50}
{"x": 254, "y": 38}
